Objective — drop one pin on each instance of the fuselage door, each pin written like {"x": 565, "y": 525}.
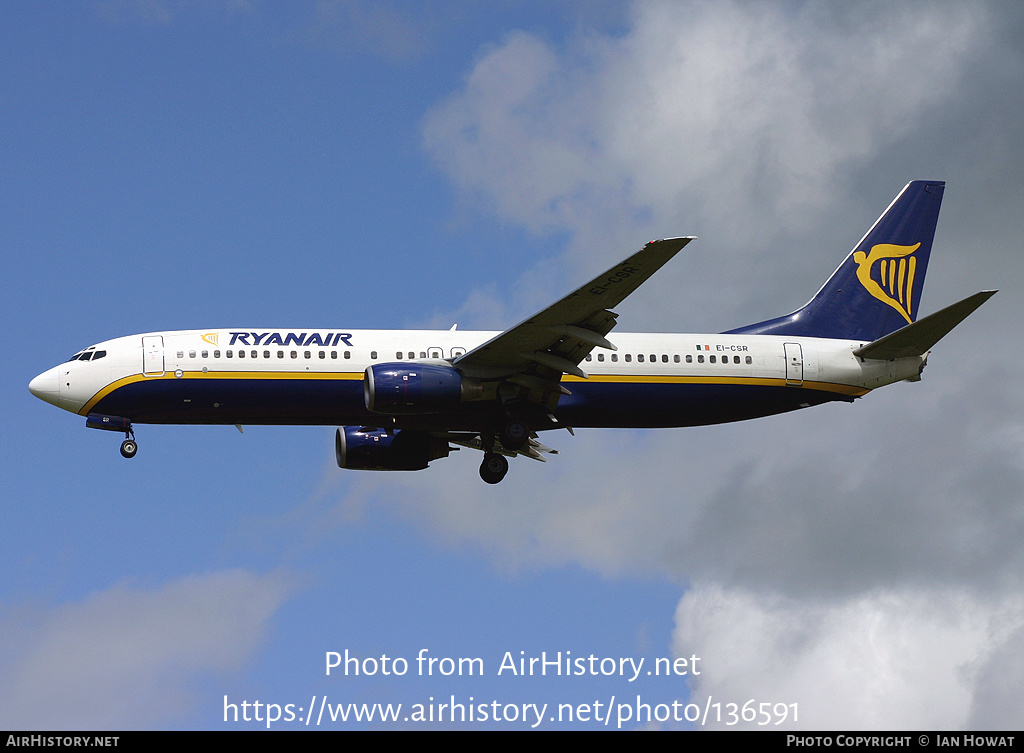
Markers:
{"x": 794, "y": 364}
{"x": 153, "y": 355}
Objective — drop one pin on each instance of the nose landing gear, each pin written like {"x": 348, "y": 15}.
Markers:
{"x": 115, "y": 423}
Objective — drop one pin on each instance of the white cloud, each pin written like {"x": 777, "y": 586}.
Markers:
{"x": 905, "y": 659}
{"x": 126, "y": 658}
{"x": 862, "y": 560}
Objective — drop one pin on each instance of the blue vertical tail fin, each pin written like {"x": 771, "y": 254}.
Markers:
{"x": 877, "y": 288}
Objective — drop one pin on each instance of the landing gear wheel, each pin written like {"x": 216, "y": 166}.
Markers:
{"x": 514, "y": 435}
{"x": 129, "y": 448}
{"x": 494, "y": 467}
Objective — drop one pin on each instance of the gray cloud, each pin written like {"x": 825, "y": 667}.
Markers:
{"x": 887, "y": 532}
{"x": 740, "y": 120}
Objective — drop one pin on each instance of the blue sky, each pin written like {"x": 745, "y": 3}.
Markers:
{"x": 173, "y": 165}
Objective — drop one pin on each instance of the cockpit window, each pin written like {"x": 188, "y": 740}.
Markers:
{"x": 87, "y": 354}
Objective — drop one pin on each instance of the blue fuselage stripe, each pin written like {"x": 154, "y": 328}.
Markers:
{"x": 340, "y": 402}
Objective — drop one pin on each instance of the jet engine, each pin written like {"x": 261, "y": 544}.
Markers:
{"x": 377, "y": 450}
{"x": 416, "y": 388}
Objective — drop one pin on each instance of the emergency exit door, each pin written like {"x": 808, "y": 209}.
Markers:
{"x": 794, "y": 364}
{"x": 153, "y": 355}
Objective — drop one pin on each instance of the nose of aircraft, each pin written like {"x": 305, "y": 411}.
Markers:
{"x": 46, "y": 386}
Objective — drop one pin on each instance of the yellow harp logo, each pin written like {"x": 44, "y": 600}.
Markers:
{"x": 211, "y": 337}
{"x": 893, "y": 283}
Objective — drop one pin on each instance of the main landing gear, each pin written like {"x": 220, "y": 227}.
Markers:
{"x": 513, "y": 434}
{"x": 494, "y": 467}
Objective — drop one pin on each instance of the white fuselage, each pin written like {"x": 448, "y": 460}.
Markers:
{"x": 305, "y": 376}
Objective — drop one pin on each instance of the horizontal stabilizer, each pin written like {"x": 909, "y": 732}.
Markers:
{"x": 918, "y": 338}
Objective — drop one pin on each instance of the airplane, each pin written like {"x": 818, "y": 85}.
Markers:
{"x": 402, "y": 399}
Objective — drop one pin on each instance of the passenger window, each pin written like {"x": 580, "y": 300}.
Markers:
{"x": 323, "y": 355}
{"x": 295, "y": 354}
{"x": 216, "y": 354}
{"x": 308, "y": 354}
{"x": 373, "y": 355}
{"x": 241, "y": 353}
{"x": 280, "y": 354}
{"x": 266, "y": 354}
{"x": 628, "y": 358}
{"x": 676, "y": 358}
{"x": 588, "y": 356}
{"x": 334, "y": 354}
{"x": 398, "y": 355}
{"x": 749, "y": 359}
{"x": 689, "y": 359}
{"x": 229, "y": 354}
{"x": 600, "y": 356}
{"x": 700, "y": 359}
{"x": 664, "y": 358}
{"x": 615, "y": 357}
{"x": 411, "y": 355}
{"x": 191, "y": 354}
{"x": 711, "y": 359}
{"x": 181, "y": 354}
{"x": 348, "y": 354}
{"x": 639, "y": 358}
{"x": 254, "y": 354}
{"x": 735, "y": 359}
{"x": 206, "y": 354}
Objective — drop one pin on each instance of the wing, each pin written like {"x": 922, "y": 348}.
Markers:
{"x": 535, "y": 353}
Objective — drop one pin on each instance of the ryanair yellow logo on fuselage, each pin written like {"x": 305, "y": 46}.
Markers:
{"x": 893, "y": 284}
{"x": 211, "y": 337}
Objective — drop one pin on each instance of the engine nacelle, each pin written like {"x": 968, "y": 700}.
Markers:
{"x": 377, "y": 450}
{"x": 411, "y": 388}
